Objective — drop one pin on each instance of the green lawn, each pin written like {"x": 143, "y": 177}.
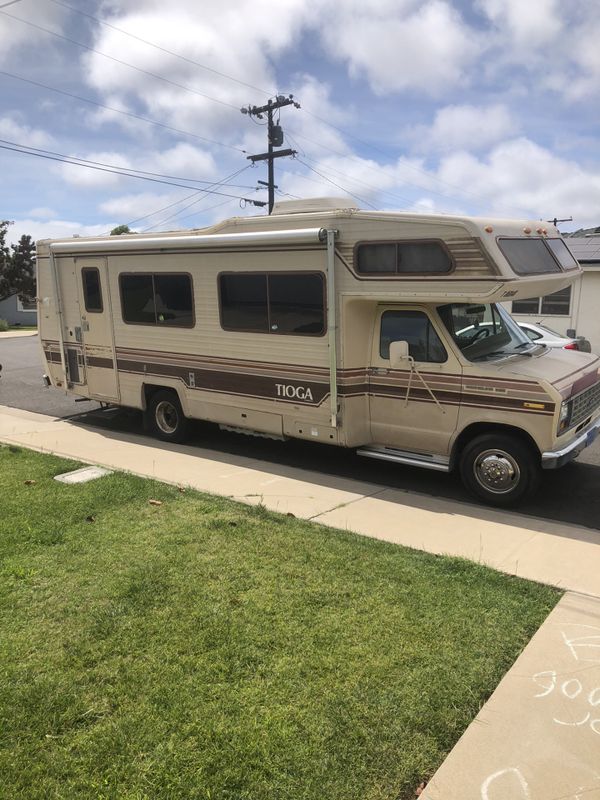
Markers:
{"x": 204, "y": 649}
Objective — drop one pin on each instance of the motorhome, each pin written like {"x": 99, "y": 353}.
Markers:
{"x": 381, "y": 332}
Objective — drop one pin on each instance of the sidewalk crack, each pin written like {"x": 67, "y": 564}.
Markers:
{"x": 347, "y": 503}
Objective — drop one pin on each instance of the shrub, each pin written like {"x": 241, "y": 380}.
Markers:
{"x": 3, "y": 325}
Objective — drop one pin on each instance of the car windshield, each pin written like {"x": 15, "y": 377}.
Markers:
{"x": 484, "y": 331}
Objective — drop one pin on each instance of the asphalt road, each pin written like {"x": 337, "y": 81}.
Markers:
{"x": 570, "y": 494}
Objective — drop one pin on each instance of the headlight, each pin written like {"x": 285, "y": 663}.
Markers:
{"x": 565, "y": 416}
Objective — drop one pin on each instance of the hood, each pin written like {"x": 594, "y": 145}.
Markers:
{"x": 569, "y": 371}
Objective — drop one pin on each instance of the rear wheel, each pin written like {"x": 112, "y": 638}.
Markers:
{"x": 166, "y": 419}
{"x": 500, "y": 469}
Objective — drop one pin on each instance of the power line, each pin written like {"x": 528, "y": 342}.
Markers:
{"x": 119, "y": 61}
{"x": 114, "y": 170}
{"x": 86, "y": 161}
{"x": 162, "y": 49}
{"x": 120, "y": 111}
{"x": 193, "y": 197}
{"x": 355, "y": 196}
{"x": 10, "y": 3}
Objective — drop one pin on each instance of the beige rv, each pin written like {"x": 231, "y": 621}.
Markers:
{"x": 378, "y": 331}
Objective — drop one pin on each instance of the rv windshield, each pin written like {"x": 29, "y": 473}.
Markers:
{"x": 485, "y": 331}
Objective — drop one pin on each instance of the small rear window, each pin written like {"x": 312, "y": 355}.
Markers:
{"x": 402, "y": 258}
{"x": 562, "y": 253}
{"x": 528, "y": 256}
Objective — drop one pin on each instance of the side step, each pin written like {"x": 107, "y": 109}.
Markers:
{"x": 439, "y": 463}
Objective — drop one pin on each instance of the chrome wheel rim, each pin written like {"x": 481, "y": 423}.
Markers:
{"x": 496, "y": 471}
{"x": 167, "y": 416}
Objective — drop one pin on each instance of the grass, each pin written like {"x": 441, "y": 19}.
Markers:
{"x": 205, "y": 649}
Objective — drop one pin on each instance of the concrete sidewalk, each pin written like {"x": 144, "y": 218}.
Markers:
{"x": 16, "y": 334}
{"x": 563, "y": 555}
{"x": 530, "y": 741}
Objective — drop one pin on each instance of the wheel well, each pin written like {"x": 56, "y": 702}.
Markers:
{"x": 150, "y": 389}
{"x": 479, "y": 428}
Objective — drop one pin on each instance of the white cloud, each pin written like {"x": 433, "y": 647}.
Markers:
{"x": 528, "y": 25}
{"x": 400, "y": 46}
{"x": 52, "y": 229}
{"x": 14, "y": 34}
{"x": 90, "y": 177}
{"x": 521, "y": 178}
{"x": 15, "y": 131}
{"x": 465, "y": 127}
{"x": 41, "y": 213}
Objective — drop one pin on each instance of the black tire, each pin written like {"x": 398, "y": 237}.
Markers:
{"x": 500, "y": 469}
{"x": 165, "y": 417}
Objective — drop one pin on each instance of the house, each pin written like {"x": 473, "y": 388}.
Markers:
{"x": 17, "y": 312}
{"x": 574, "y": 310}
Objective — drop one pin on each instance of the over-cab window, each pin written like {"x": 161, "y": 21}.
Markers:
{"x": 273, "y": 303}
{"x": 157, "y": 299}
{"x": 402, "y": 258}
{"x": 92, "y": 293}
{"x": 529, "y": 256}
{"x": 415, "y": 328}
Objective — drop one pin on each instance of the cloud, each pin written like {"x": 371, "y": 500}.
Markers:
{"x": 14, "y": 34}
{"x": 237, "y": 38}
{"x": 14, "y": 131}
{"x": 52, "y": 229}
{"x": 88, "y": 177}
{"x": 465, "y": 127}
{"x": 521, "y": 178}
{"x": 527, "y": 25}
{"x": 404, "y": 45}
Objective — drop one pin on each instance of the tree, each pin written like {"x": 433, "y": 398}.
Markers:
{"x": 17, "y": 265}
{"x": 120, "y": 229}
{"x": 23, "y": 267}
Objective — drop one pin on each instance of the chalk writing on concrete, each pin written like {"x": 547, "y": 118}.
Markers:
{"x": 507, "y": 778}
{"x": 583, "y": 641}
{"x": 572, "y": 689}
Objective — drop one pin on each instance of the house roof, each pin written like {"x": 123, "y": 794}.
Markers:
{"x": 585, "y": 249}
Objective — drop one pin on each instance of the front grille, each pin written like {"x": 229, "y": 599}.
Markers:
{"x": 585, "y": 404}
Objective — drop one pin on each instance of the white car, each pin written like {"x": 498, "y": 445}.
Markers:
{"x": 540, "y": 334}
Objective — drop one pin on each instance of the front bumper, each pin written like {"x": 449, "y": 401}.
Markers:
{"x": 557, "y": 458}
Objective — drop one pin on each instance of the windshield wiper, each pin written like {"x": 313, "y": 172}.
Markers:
{"x": 492, "y": 353}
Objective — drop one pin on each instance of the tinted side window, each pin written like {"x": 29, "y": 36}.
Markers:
{"x": 399, "y": 258}
{"x": 92, "y": 293}
{"x": 244, "y": 302}
{"x": 415, "y": 328}
{"x": 137, "y": 299}
{"x": 528, "y": 256}
{"x": 173, "y": 300}
{"x": 296, "y": 304}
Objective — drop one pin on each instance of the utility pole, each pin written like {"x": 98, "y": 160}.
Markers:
{"x": 555, "y": 221}
{"x": 274, "y": 138}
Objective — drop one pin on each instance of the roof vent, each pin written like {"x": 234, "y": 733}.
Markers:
{"x": 314, "y": 204}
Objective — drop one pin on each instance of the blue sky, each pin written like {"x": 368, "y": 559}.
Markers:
{"x": 488, "y": 107}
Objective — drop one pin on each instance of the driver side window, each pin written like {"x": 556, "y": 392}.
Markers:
{"x": 414, "y": 327}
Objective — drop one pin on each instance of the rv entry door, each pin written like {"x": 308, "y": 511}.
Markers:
{"x": 413, "y": 404}
{"x": 97, "y": 335}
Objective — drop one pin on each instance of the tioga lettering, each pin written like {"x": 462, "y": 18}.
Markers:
{"x": 293, "y": 392}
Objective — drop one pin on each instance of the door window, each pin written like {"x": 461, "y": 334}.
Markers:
{"x": 414, "y": 327}
{"x": 92, "y": 294}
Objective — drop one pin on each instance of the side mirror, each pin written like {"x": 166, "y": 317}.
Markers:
{"x": 399, "y": 354}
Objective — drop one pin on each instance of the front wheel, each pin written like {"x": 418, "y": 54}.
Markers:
{"x": 500, "y": 469}
{"x": 166, "y": 419}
